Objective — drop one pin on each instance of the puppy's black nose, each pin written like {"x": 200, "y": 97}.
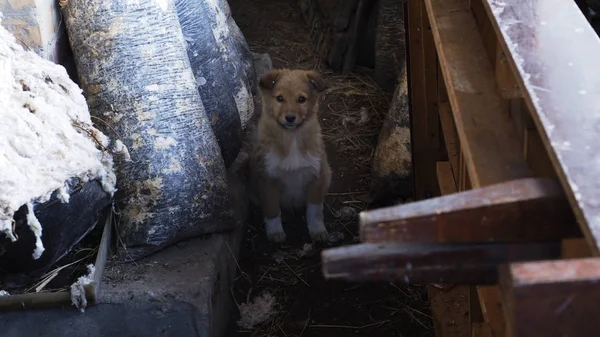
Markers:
{"x": 290, "y": 118}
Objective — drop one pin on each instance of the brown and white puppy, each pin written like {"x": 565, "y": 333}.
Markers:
{"x": 288, "y": 164}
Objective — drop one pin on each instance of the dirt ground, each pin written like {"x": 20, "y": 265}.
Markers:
{"x": 351, "y": 113}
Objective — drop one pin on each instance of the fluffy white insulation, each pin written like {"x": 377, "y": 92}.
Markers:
{"x": 78, "y": 288}
{"x": 46, "y": 136}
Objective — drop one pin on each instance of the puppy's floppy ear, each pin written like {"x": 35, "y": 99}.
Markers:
{"x": 316, "y": 80}
{"x": 268, "y": 80}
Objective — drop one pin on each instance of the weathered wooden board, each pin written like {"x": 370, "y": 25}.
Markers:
{"x": 429, "y": 263}
{"x": 555, "y": 51}
{"x": 450, "y": 137}
{"x": 487, "y": 136}
{"x": 552, "y": 298}
{"x": 518, "y": 210}
{"x": 491, "y": 152}
{"x": 422, "y": 77}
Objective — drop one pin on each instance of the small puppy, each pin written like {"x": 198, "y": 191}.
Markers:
{"x": 288, "y": 163}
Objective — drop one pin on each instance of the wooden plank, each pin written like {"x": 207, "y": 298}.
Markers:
{"x": 429, "y": 263}
{"x": 552, "y": 298}
{"x": 489, "y": 142}
{"x": 445, "y": 178}
{"x": 507, "y": 84}
{"x": 464, "y": 182}
{"x": 432, "y": 95}
{"x": 450, "y": 138}
{"x": 575, "y": 248}
{"x": 449, "y": 308}
{"x": 482, "y": 330}
{"x": 419, "y": 73}
{"x": 518, "y": 112}
{"x": 537, "y": 156}
{"x": 487, "y": 136}
{"x": 475, "y": 314}
{"x": 484, "y": 26}
{"x": 561, "y": 86}
{"x": 518, "y": 210}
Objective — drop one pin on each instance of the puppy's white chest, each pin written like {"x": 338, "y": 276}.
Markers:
{"x": 295, "y": 161}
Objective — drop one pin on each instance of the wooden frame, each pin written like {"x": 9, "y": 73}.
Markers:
{"x": 506, "y": 131}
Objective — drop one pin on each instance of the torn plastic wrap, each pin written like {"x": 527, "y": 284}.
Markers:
{"x": 133, "y": 65}
{"x": 392, "y": 174}
{"x": 214, "y": 84}
{"x": 234, "y": 50}
{"x": 63, "y": 224}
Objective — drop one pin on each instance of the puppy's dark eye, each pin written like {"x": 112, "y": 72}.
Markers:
{"x": 301, "y": 99}
{"x": 279, "y": 98}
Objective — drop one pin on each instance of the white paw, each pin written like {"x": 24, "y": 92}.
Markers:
{"x": 319, "y": 235}
{"x": 314, "y": 222}
{"x": 277, "y": 237}
{"x": 274, "y": 229}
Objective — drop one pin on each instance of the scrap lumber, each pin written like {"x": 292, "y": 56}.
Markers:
{"x": 449, "y": 307}
{"x": 430, "y": 263}
{"x": 552, "y": 298}
{"x": 560, "y": 85}
{"x": 423, "y": 82}
{"x": 485, "y": 130}
{"x": 450, "y": 138}
{"x": 518, "y": 210}
{"x": 491, "y": 152}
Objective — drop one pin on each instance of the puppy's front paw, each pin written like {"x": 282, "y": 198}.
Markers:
{"x": 274, "y": 230}
{"x": 319, "y": 235}
{"x": 314, "y": 221}
{"x": 277, "y": 237}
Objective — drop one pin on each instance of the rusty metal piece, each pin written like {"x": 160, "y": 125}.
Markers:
{"x": 518, "y": 210}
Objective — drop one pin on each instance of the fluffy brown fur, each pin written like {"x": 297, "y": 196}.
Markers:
{"x": 288, "y": 164}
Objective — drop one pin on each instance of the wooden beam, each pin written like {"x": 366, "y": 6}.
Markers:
{"x": 481, "y": 330}
{"x": 445, "y": 178}
{"x": 487, "y": 136}
{"x": 490, "y": 148}
{"x": 429, "y": 263}
{"x": 485, "y": 29}
{"x": 552, "y": 298}
{"x": 449, "y": 308}
{"x": 518, "y": 210}
{"x": 555, "y": 51}
{"x": 507, "y": 84}
{"x": 450, "y": 138}
{"x": 422, "y": 76}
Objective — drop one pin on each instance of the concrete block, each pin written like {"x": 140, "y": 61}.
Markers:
{"x": 133, "y": 319}
{"x": 199, "y": 272}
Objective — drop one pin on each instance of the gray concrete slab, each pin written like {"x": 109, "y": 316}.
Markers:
{"x": 199, "y": 272}
{"x": 132, "y": 319}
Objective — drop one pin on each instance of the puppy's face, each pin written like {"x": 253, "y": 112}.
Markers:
{"x": 291, "y": 96}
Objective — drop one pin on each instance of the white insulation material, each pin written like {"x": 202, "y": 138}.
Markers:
{"x": 78, "y": 288}
{"x": 46, "y": 136}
